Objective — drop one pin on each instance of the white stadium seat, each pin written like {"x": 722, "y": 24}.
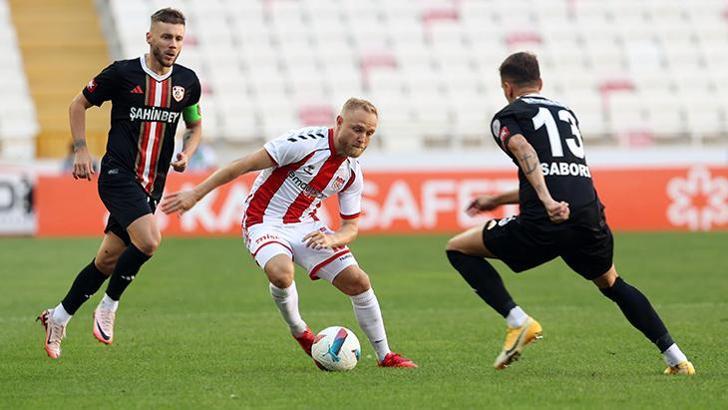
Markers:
{"x": 415, "y": 57}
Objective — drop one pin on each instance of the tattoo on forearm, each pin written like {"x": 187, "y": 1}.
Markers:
{"x": 529, "y": 166}
{"x": 186, "y": 137}
{"x": 78, "y": 144}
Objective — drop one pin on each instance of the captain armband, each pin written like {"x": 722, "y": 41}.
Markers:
{"x": 192, "y": 114}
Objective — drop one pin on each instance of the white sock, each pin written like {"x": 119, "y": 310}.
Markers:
{"x": 516, "y": 317}
{"x": 673, "y": 355}
{"x": 287, "y": 302}
{"x": 60, "y": 315}
{"x": 109, "y": 304}
{"x": 369, "y": 316}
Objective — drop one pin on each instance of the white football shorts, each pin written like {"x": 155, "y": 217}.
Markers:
{"x": 264, "y": 241}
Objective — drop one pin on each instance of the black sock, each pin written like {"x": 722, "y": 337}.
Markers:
{"x": 638, "y": 310}
{"x": 126, "y": 269}
{"x": 484, "y": 280}
{"x": 87, "y": 282}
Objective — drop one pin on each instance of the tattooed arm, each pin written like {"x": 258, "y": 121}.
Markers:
{"x": 190, "y": 141}
{"x": 531, "y": 167}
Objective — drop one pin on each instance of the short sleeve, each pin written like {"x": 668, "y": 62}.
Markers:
{"x": 503, "y": 128}
{"x": 350, "y": 195}
{"x": 102, "y": 87}
{"x": 195, "y": 92}
{"x": 284, "y": 152}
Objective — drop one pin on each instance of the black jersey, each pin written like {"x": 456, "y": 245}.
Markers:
{"x": 146, "y": 108}
{"x": 553, "y": 131}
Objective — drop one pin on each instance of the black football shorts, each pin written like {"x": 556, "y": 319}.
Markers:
{"x": 585, "y": 244}
{"x": 126, "y": 202}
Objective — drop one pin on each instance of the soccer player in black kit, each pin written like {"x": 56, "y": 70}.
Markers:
{"x": 149, "y": 94}
{"x": 560, "y": 216}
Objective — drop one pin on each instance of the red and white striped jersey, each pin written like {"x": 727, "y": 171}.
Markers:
{"x": 307, "y": 171}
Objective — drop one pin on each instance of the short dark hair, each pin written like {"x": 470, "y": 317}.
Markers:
{"x": 520, "y": 69}
{"x": 169, "y": 15}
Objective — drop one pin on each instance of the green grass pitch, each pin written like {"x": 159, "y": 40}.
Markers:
{"x": 198, "y": 329}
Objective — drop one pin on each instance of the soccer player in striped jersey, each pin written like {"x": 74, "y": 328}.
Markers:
{"x": 149, "y": 95}
{"x": 280, "y": 226}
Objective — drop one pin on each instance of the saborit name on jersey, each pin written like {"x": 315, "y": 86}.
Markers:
{"x": 565, "y": 169}
{"x": 152, "y": 114}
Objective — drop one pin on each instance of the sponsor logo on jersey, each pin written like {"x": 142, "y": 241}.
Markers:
{"x": 91, "y": 86}
{"x": 305, "y": 188}
{"x": 178, "y": 93}
{"x": 491, "y": 224}
{"x": 504, "y": 134}
{"x": 309, "y": 169}
{"x": 338, "y": 183}
{"x": 565, "y": 169}
{"x": 152, "y": 114}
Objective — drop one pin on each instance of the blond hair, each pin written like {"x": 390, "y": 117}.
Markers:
{"x": 359, "y": 104}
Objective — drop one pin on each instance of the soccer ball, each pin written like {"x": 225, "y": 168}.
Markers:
{"x": 336, "y": 349}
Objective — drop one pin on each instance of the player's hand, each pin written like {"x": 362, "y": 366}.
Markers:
{"x": 181, "y": 164}
{"x": 482, "y": 204}
{"x": 558, "y": 211}
{"x": 318, "y": 240}
{"x": 83, "y": 166}
{"x": 179, "y": 201}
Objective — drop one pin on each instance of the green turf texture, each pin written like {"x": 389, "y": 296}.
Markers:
{"x": 197, "y": 329}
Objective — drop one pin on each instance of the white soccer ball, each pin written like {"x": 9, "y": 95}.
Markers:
{"x": 336, "y": 349}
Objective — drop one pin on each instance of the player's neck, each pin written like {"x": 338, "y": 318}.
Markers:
{"x": 524, "y": 91}
{"x": 155, "y": 66}
{"x": 527, "y": 91}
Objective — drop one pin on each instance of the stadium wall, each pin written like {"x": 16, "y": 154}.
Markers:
{"x": 679, "y": 198}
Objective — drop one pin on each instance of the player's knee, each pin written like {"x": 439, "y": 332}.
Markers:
{"x": 281, "y": 282}
{"x": 106, "y": 263}
{"x": 279, "y": 275}
{"x": 607, "y": 279}
{"x": 149, "y": 245}
{"x": 356, "y": 284}
{"x": 453, "y": 244}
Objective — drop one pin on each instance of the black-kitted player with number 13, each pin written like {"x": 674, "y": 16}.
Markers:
{"x": 561, "y": 216}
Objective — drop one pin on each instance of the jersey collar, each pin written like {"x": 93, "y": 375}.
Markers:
{"x": 151, "y": 73}
{"x": 332, "y": 147}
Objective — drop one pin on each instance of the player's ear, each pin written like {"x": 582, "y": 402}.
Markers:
{"x": 339, "y": 120}
{"x": 539, "y": 83}
{"x": 149, "y": 37}
{"x": 506, "y": 89}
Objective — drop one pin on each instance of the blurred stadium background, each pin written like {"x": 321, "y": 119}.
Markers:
{"x": 647, "y": 79}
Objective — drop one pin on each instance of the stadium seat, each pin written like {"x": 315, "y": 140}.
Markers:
{"x": 418, "y": 53}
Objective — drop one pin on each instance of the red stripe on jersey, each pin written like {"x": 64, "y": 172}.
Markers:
{"x": 317, "y": 184}
{"x": 331, "y": 142}
{"x": 158, "y": 136}
{"x": 266, "y": 191}
{"x": 143, "y": 141}
{"x": 318, "y": 267}
{"x": 151, "y": 91}
{"x": 164, "y": 99}
{"x": 352, "y": 177}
